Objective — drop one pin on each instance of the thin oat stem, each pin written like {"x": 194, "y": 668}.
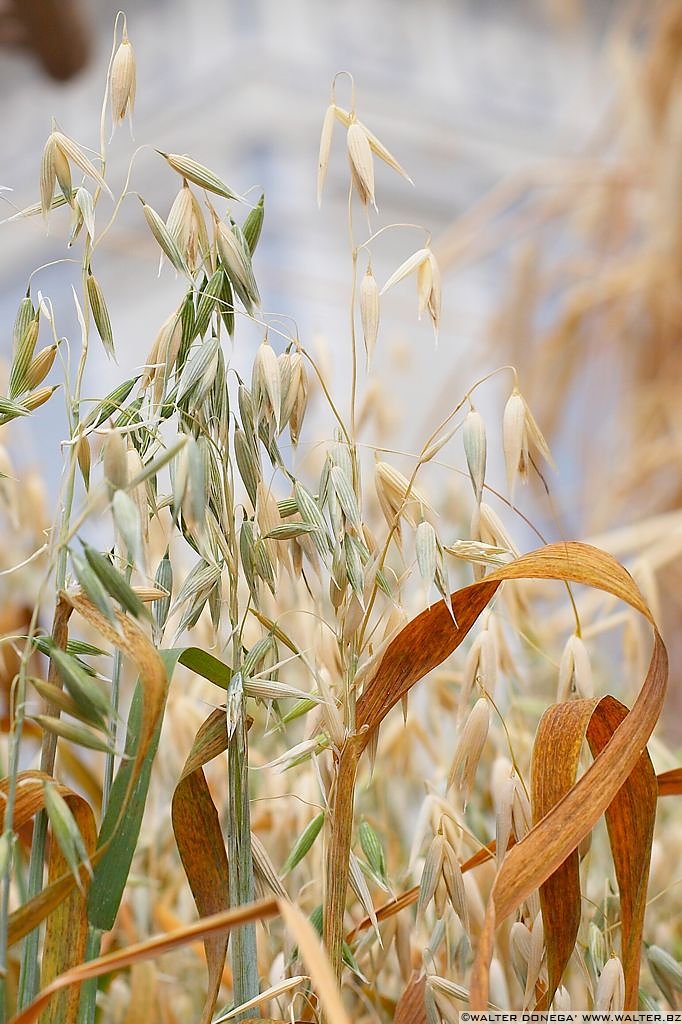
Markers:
{"x": 393, "y": 227}
{"x": 353, "y": 342}
{"x": 325, "y": 389}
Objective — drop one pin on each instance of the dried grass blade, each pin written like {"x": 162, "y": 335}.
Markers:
{"x": 670, "y": 783}
{"x": 549, "y": 842}
{"x": 259, "y": 910}
{"x": 556, "y": 754}
{"x": 67, "y": 926}
{"x": 630, "y": 821}
{"x": 199, "y": 839}
{"x": 410, "y": 1008}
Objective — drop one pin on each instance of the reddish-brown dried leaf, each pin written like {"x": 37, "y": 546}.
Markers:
{"x": 421, "y": 646}
{"x": 410, "y": 1008}
{"x": 556, "y": 754}
{"x": 260, "y": 910}
{"x": 133, "y": 643}
{"x": 670, "y": 783}
{"x": 630, "y": 819}
{"x": 67, "y": 927}
{"x": 196, "y": 825}
{"x": 552, "y": 839}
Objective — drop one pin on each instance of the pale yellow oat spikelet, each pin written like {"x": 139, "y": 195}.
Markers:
{"x": 469, "y": 749}
{"x": 376, "y": 146}
{"x": 361, "y": 163}
{"x": 123, "y": 80}
{"x": 266, "y": 378}
{"x": 325, "y": 148}
{"x": 475, "y": 449}
{"x": 610, "y": 994}
{"x": 396, "y": 496}
{"x": 369, "y": 311}
{"x": 40, "y": 366}
{"x": 520, "y": 432}
{"x": 115, "y": 459}
{"x": 575, "y": 670}
{"x": 48, "y": 174}
{"x": 37, "y": 398}
{"x": 75, "y": 154}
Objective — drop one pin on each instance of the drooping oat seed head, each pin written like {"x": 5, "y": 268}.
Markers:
{"x": 534, "y": 959}
{"x": 195, "y": 172}
{"x": 377, "y": 147}
{"x": 237, "y": 263}
{"x": 610, "y": 994}
{"x": 298, "y": 411}
{"x": 361, "y": 163}
{"x": 520, "y": 942}
{"x": 369, "y": 311}
{"x": 100, "y": 314}
{"x": 575, "y": 671}
{"x": 397, "y": 497}
{"x": 187, "y": 227}
{"x": 37, "y": 398}
{"x": 475, "y": 449}
{"x": 325, "y": 148}
{"x": 666, "y": 972}
{"x": 40, "y": 366}
{"x": 469, "y": 749}
{"x": 123, "y": 81}
{"x": 48, "y": 174}
{"x": 520, "y": 434}
{"x": 267, "y": 384}
{"x": 115, "y": 460}
{"x": 424, "y": 263}
{"x": 84, "y": 458}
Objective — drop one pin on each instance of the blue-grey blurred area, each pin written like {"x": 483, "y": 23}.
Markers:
{"x": 465, "y": 94}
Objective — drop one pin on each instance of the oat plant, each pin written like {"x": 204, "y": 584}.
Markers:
{"x": 299, "y": 577}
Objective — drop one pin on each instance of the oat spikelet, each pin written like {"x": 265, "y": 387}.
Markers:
{"x": 575, "y": 671}
{"x": 407, "y": 267}
{"x": 369, "y": 311}
{"x": 376, "y": 146}
{"x": 469, "y": 749}
{"x": 48, "y": 174}
{"x": 40, "y": 366}
{"x": 396, "y": 497}
{"x": 75, "y": 154}
{"x": 123, "y": 80}
{"x": 361, "y": 163}
{"x": 520, "y": 432}
{"x": 610, "y": 994}
{"x": 325, "y": 148}
{"x": 475, "y": 448}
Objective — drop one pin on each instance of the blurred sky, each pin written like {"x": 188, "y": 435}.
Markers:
{"x": 464, "y": 94}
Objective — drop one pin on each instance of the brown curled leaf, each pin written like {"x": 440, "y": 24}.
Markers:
{"x": 410, "y": 1008}
{"x": 630, "y": 821}
{"x": 199, "y": 838}
{"x": 528, "y": 865}
{"x": 556, "y": 755}
{"x": 260, "y": 910}
{"x": 670, "y": 783}
{"x": 67, "y": 928}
